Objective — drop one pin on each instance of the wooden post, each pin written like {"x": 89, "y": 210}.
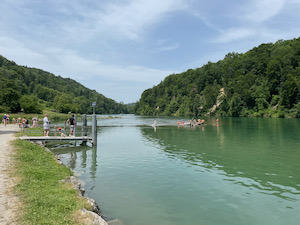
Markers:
{"x": 94, "y": 125}
{"x": 94, "y": 129}
{"x": 74, "y": 131}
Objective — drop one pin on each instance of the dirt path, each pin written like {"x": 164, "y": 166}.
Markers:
{"x": 9, "y": 203}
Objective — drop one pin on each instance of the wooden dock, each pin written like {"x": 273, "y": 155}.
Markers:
{"x": 56, "y": 138}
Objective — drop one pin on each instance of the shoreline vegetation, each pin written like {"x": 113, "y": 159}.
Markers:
{"x": 263, "y": 82}
{"x": 49, "y": 191}
{"x": 32, "y": 90}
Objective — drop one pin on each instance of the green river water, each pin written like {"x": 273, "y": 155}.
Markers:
{"x": 244, "y": 171}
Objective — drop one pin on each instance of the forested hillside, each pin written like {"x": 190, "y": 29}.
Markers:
{"x": 264, "y": 81}
{"x": 33, "y": 90}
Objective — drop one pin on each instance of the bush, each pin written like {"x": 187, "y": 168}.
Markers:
{"x": 295, "y": 111}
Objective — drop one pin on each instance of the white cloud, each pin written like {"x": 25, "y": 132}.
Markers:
{"x": 265, "y": 9}
{"x": 18, "y": 52}
{"x": 113, "y": 19}
{"x": 69, "y": 63}
{"x": 253, "y": 21}
{"x": 234, "y": 34}
{"x": 167, "y": 48}
{"x": 79, "y": 21}
{"x": 132, "y": 18}
{"x": 259, "y": 11}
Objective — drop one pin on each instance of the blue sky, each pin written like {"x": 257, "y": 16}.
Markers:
{"x": 122, "y": 47}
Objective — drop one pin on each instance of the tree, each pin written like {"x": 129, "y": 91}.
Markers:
{"x": 235, "y": 105}
{"x": 63, "y": 103}
{"x": 9, "y": 96}
{"x": 30, "y": 104}
{"x": 290, "y": 92}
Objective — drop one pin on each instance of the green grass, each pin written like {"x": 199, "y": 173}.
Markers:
{"x": 33, "y": 131}
{"x": 55, "y": 116}
{"x": 46, "y": 199}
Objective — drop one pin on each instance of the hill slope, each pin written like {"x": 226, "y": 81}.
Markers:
{"x": 264, "y": 81}
{"x": 33, "y": 89}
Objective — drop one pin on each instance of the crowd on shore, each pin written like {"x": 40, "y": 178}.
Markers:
{"x": 25, "y": 123}
{"x": 21, "y": 122}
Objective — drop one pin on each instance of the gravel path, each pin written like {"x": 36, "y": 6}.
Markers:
{"x": 9, "y": 203}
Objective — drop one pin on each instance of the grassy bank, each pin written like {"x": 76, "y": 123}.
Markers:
{"x": 46, "y": 199}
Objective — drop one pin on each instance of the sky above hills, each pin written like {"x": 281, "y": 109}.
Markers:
{"x": 120, "y": 48}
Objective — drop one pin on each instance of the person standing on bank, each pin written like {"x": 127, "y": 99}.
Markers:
{"x": 72, "y": 124}
{"x": 5, "y": 119}
{"x": 46, "y": 125}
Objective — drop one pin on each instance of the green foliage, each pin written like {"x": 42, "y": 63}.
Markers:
{"x": 30, "y": 104}
{"x": 130, "y": 107}
{"x": 62, "y": 94}
{"x": 63, "y": 103}
{"x": 9, "y": 94}
{"x": 264, "y": 81}
{"x": 295, "y": 111}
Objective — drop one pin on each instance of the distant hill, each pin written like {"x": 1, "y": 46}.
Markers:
{"x": 264, "y": 81}
{"x": 33, "y": 89}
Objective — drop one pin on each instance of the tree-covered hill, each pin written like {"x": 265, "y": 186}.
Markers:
{"x": 264, "y": 81}
{"x": 33, "y": 89}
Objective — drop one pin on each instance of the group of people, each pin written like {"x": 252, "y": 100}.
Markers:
{"x": 24, "y": 123}
{"x": 192, "y": 122}
{"x": 46, "y": 125}
{"x": 19, "y": 121}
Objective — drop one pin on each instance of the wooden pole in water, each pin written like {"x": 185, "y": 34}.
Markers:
{"x": 74, "y": 131}
{"x": 94, "y": 125}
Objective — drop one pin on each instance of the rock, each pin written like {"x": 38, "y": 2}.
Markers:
{"x": 77, "y": 185}
{"x": 94, "y": 205}
{"x": 88, "y": 218}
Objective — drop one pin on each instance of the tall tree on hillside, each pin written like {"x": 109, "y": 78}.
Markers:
{"x": 9, "y": 96}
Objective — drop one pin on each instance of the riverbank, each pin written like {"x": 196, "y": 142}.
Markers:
{"x": 10, "y": 204}
{"x": 31, "y": 187}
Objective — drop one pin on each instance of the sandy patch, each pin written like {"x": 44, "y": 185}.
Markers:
{"x": 9, "y": 202}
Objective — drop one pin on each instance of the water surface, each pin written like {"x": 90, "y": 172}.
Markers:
{"x": 244, "y": 171}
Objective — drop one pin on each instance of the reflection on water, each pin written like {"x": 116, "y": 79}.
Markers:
{"x": 256, "y": 151}
{"x": 243, "y": 171}
{"x": 74, "y": 154}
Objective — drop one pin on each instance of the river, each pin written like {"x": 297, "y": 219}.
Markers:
{"x": 239, "y": 171}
